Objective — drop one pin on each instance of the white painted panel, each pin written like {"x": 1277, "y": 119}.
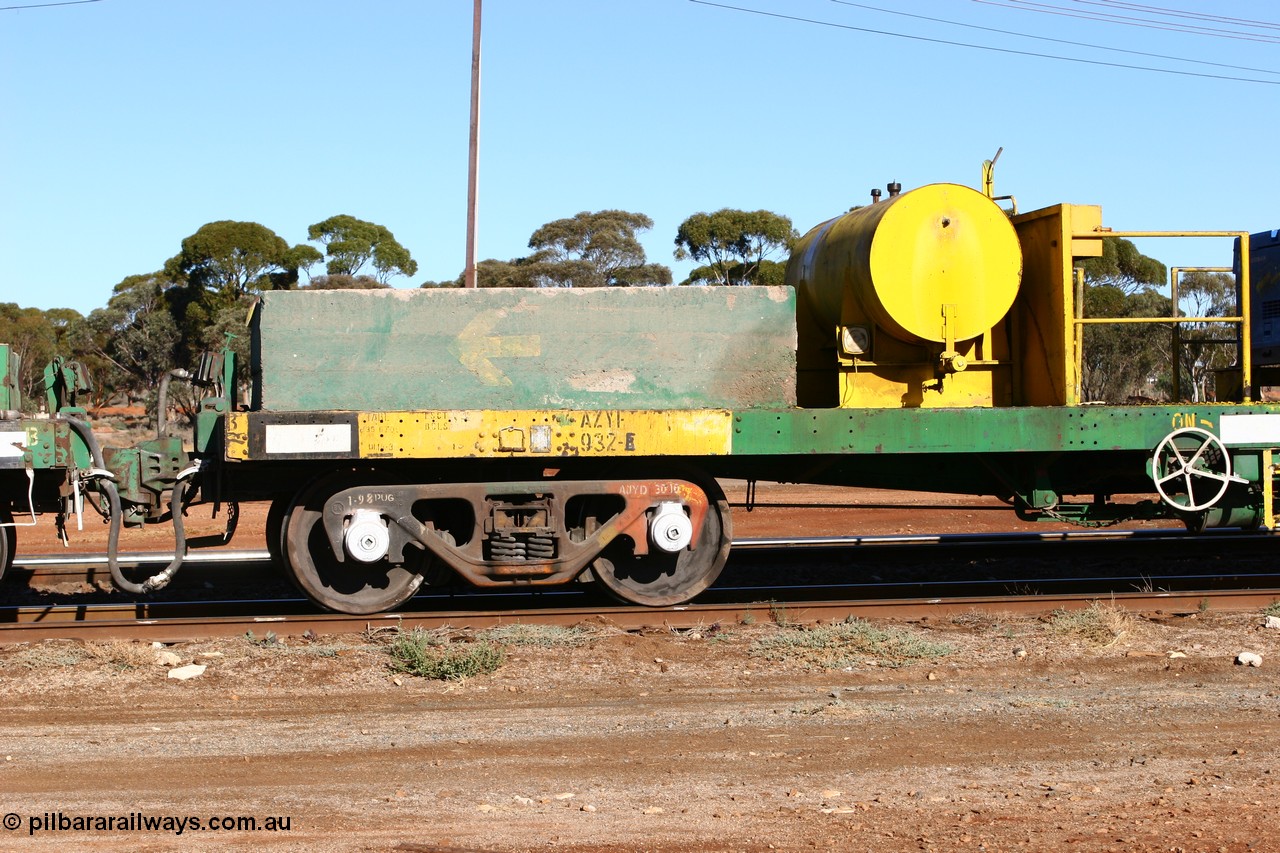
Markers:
{"x": 308, "y": 438}
{"x": 1250, "y": 429}
{"x": 9, "y": 438}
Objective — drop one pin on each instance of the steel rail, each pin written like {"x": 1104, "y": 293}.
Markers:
{"x": 139, "y": 558}
{"x": 76, "y": 621}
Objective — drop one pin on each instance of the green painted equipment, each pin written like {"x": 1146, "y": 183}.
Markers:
{"x": 557, "y": 348}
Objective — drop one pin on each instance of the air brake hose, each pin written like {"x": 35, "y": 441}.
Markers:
{"x": 161, "y": 580}
{"x": 116, "y": 516}
{"x": 162, "y": 401}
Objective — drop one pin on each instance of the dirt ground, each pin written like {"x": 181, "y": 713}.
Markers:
{"x": 1110, "y": 731}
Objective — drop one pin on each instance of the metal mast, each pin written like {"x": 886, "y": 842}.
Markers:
{"x": 469, "y": 275}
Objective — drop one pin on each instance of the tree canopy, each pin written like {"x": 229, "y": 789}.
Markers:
{"x": 594, "y": 250}
{"x": 352, "y": 243}
{"x": 136, "y": 336}
{"x": 1123, "y": 266}
{"x": 31, "y": 336}
{"x": 346, "y": 282}
{"x": 235, "y": 259}
{"x": 734, "y": 246}
{"x": 586, "y": 250}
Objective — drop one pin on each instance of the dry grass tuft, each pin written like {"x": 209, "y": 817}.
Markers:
{"x": 532, "y": 635}
{"x": 50, "y": 654}
{"x": 847, "y": 644}
{"x": 121, "y": 654}
{"x": 1100, "y": 624}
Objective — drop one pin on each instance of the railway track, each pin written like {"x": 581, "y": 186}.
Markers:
{"x": 138, "y": 621}
{"x": 1251, "y": 585}
{"x": 89, "y": 567}
{"x": 728, "y": 602}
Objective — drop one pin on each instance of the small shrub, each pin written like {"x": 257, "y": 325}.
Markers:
{"x": 846, "y": 644}
{"x": 1272, "y": 609}
{"x": 429, "y": 655}
{"x": 778, "y": 614}
{"x": 270, "y": 641}
{"x": 1099, "y": 624}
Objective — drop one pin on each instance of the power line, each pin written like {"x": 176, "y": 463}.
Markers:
{"x": 47, "y": 5}
{"x": 1182, "y": 13}
{"x": 1147, "y": 24}
{"x": 1056, "y": 41}
{"x": 985, "y": 47}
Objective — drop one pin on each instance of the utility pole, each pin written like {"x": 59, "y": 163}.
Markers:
{"x": 473, "y": 165}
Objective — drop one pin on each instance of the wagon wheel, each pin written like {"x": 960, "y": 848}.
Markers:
{"x": 1191, "y": 469}
{"x": 659, "y": 578}
{"x": 277, "y": 517}
{"x": 350, "y": 586}
{"x": 8, "y": 541}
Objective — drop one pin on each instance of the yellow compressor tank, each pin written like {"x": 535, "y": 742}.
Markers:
{"x": 935, "y": 268}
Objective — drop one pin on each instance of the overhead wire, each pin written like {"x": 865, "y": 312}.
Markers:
{"x": 1055, "y": 40}
{"x": 47, "y": 5}
{"x": 1047, "y": 9}
{"x": 990, "y": 48}
{"x": 1180, "y": 13}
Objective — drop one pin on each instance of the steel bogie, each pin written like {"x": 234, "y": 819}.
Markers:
{"x": 353, "y": 545}
{"x": 517, "y": 530}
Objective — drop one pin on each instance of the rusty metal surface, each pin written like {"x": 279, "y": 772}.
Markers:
{"x": 465, "y": 552}
{"x": 33, "y": 624}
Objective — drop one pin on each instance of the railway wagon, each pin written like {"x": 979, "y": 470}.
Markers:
{"x": 47, "y": 465}
{"x": 931, "y": 340}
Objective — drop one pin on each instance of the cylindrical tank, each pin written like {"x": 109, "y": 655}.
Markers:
{"x": 903, "y": 260}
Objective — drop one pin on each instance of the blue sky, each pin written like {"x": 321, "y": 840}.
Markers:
{"x": 127, "y": 124}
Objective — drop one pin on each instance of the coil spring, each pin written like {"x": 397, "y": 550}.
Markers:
{"x": 513, "y": 550}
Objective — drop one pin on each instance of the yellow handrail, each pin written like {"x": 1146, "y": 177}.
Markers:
{"x": 1242, "y": 319}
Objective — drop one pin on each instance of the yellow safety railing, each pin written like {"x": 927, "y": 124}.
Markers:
{"x": 1241, "y": 319}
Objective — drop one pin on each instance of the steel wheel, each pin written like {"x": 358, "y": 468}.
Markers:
{"x": 277, "y": 517}
{"x": 8, "y": 541}
{"x": 349, "y": 586}
{"x": 660, "y": 579}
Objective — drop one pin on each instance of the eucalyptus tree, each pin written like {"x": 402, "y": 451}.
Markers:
{"x": 735, "y": 246}
{"x": 351, "y": 244}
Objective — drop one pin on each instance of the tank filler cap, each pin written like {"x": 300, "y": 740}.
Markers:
{"x": 367, "y": 538}
{"x": 894, "y": 188}
{"x": 670, "y": 529}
